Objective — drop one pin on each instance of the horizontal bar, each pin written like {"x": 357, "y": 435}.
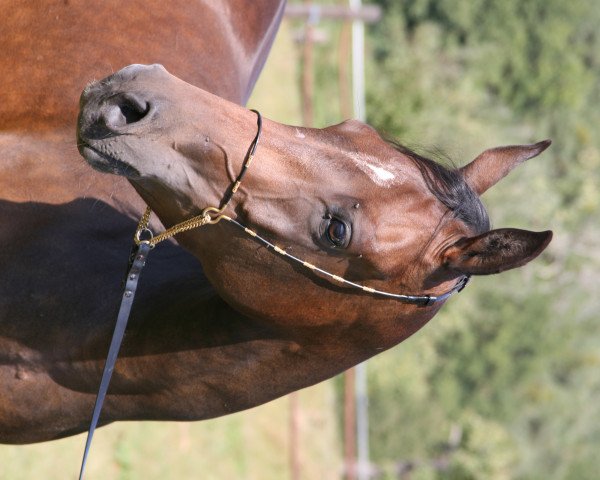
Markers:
{"x": 367, "y": 13}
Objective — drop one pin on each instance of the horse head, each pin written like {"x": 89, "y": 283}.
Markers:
{"x": 340, "y": 198}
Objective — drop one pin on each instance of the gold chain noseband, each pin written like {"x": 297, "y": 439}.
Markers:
{"x": 213, "y": 215}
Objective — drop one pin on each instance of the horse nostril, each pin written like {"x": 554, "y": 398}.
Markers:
{"x": 124, "y": 110}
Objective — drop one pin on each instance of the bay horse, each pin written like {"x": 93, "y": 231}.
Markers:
{"x": 261, "y": 327}
{"x": 66, "y": 230}
{"x": 317, "y": 209}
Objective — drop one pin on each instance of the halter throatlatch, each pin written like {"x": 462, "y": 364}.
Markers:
{"x": 212, "y": 215}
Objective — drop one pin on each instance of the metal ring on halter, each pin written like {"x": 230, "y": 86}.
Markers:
{"x": 217, "y": 217}
{"x": 144, "y": 230}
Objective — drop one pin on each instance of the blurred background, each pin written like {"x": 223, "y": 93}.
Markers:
{"x": 504, "y": 383}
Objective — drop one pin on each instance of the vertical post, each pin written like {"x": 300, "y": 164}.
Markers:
{"x": 350, "y": 425}
{"x": 307, "y": 99}
{"x": 294, "y": 437}
{"x": 356, "y": 427}
{"x": 307, "y": 87}
{"x": 344, "y": 80}
{"x": 346, "y": 112}
{"x": 358, "y": 91}
{"x": 358, "y": 63}
{"x": 362, "y": 423}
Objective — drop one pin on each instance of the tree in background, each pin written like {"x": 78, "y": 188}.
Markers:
{"x": 512, "y": 365}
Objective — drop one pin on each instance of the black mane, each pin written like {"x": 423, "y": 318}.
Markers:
{"x": 450, "y": 188}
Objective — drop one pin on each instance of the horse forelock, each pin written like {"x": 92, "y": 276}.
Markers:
{"x": 449, "y": 186}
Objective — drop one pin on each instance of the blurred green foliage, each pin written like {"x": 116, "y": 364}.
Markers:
{"x": 513, "y": 363}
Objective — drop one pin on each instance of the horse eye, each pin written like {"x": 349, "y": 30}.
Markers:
{"x": 337, "y": 232}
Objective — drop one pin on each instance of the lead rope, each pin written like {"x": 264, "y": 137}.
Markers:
{"x": 139, "y": 260}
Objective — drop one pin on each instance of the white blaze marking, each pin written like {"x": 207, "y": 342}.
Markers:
{"x": 381, "y": 173}
{"x": 374, "y": 169}
{"x": 299, "y": 134}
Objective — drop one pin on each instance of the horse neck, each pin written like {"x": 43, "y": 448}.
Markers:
{"x": 52, "y": 51}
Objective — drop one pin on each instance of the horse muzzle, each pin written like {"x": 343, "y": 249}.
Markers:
{"x": 115, "y": 107}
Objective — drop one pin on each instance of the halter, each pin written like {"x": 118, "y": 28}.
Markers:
{"x": 213, "y": 215}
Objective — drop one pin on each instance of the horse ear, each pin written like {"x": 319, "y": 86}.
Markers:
{"x": 495, "y": 251}
{"x": 493, "y": 165}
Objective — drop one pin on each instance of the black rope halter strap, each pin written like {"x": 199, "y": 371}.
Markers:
{"x": 421, "y": 300}
{"x": 145, "y": 241}
{"x": 212, "y": 215}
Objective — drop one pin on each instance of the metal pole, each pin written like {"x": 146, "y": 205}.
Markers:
{"x": 362, "y": 423}
{"x": 358, "y": 63}
{"x": 307, "y": 83}
{"x": 358, "y": 90}
{"x": 366, "y": 13}
{"x": 346, "y": 111}
{"x": 295, "y": 465}
{"x": 350, "y": 425}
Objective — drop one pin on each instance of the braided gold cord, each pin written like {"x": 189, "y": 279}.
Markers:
{"x": 190, "y": 224}
{"x": 145, "y": 220}
{"x": 422, "y": 300}
{"x": 198, "y": 221}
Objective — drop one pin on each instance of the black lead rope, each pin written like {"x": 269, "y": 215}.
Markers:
{"x": 131, "y": 283}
